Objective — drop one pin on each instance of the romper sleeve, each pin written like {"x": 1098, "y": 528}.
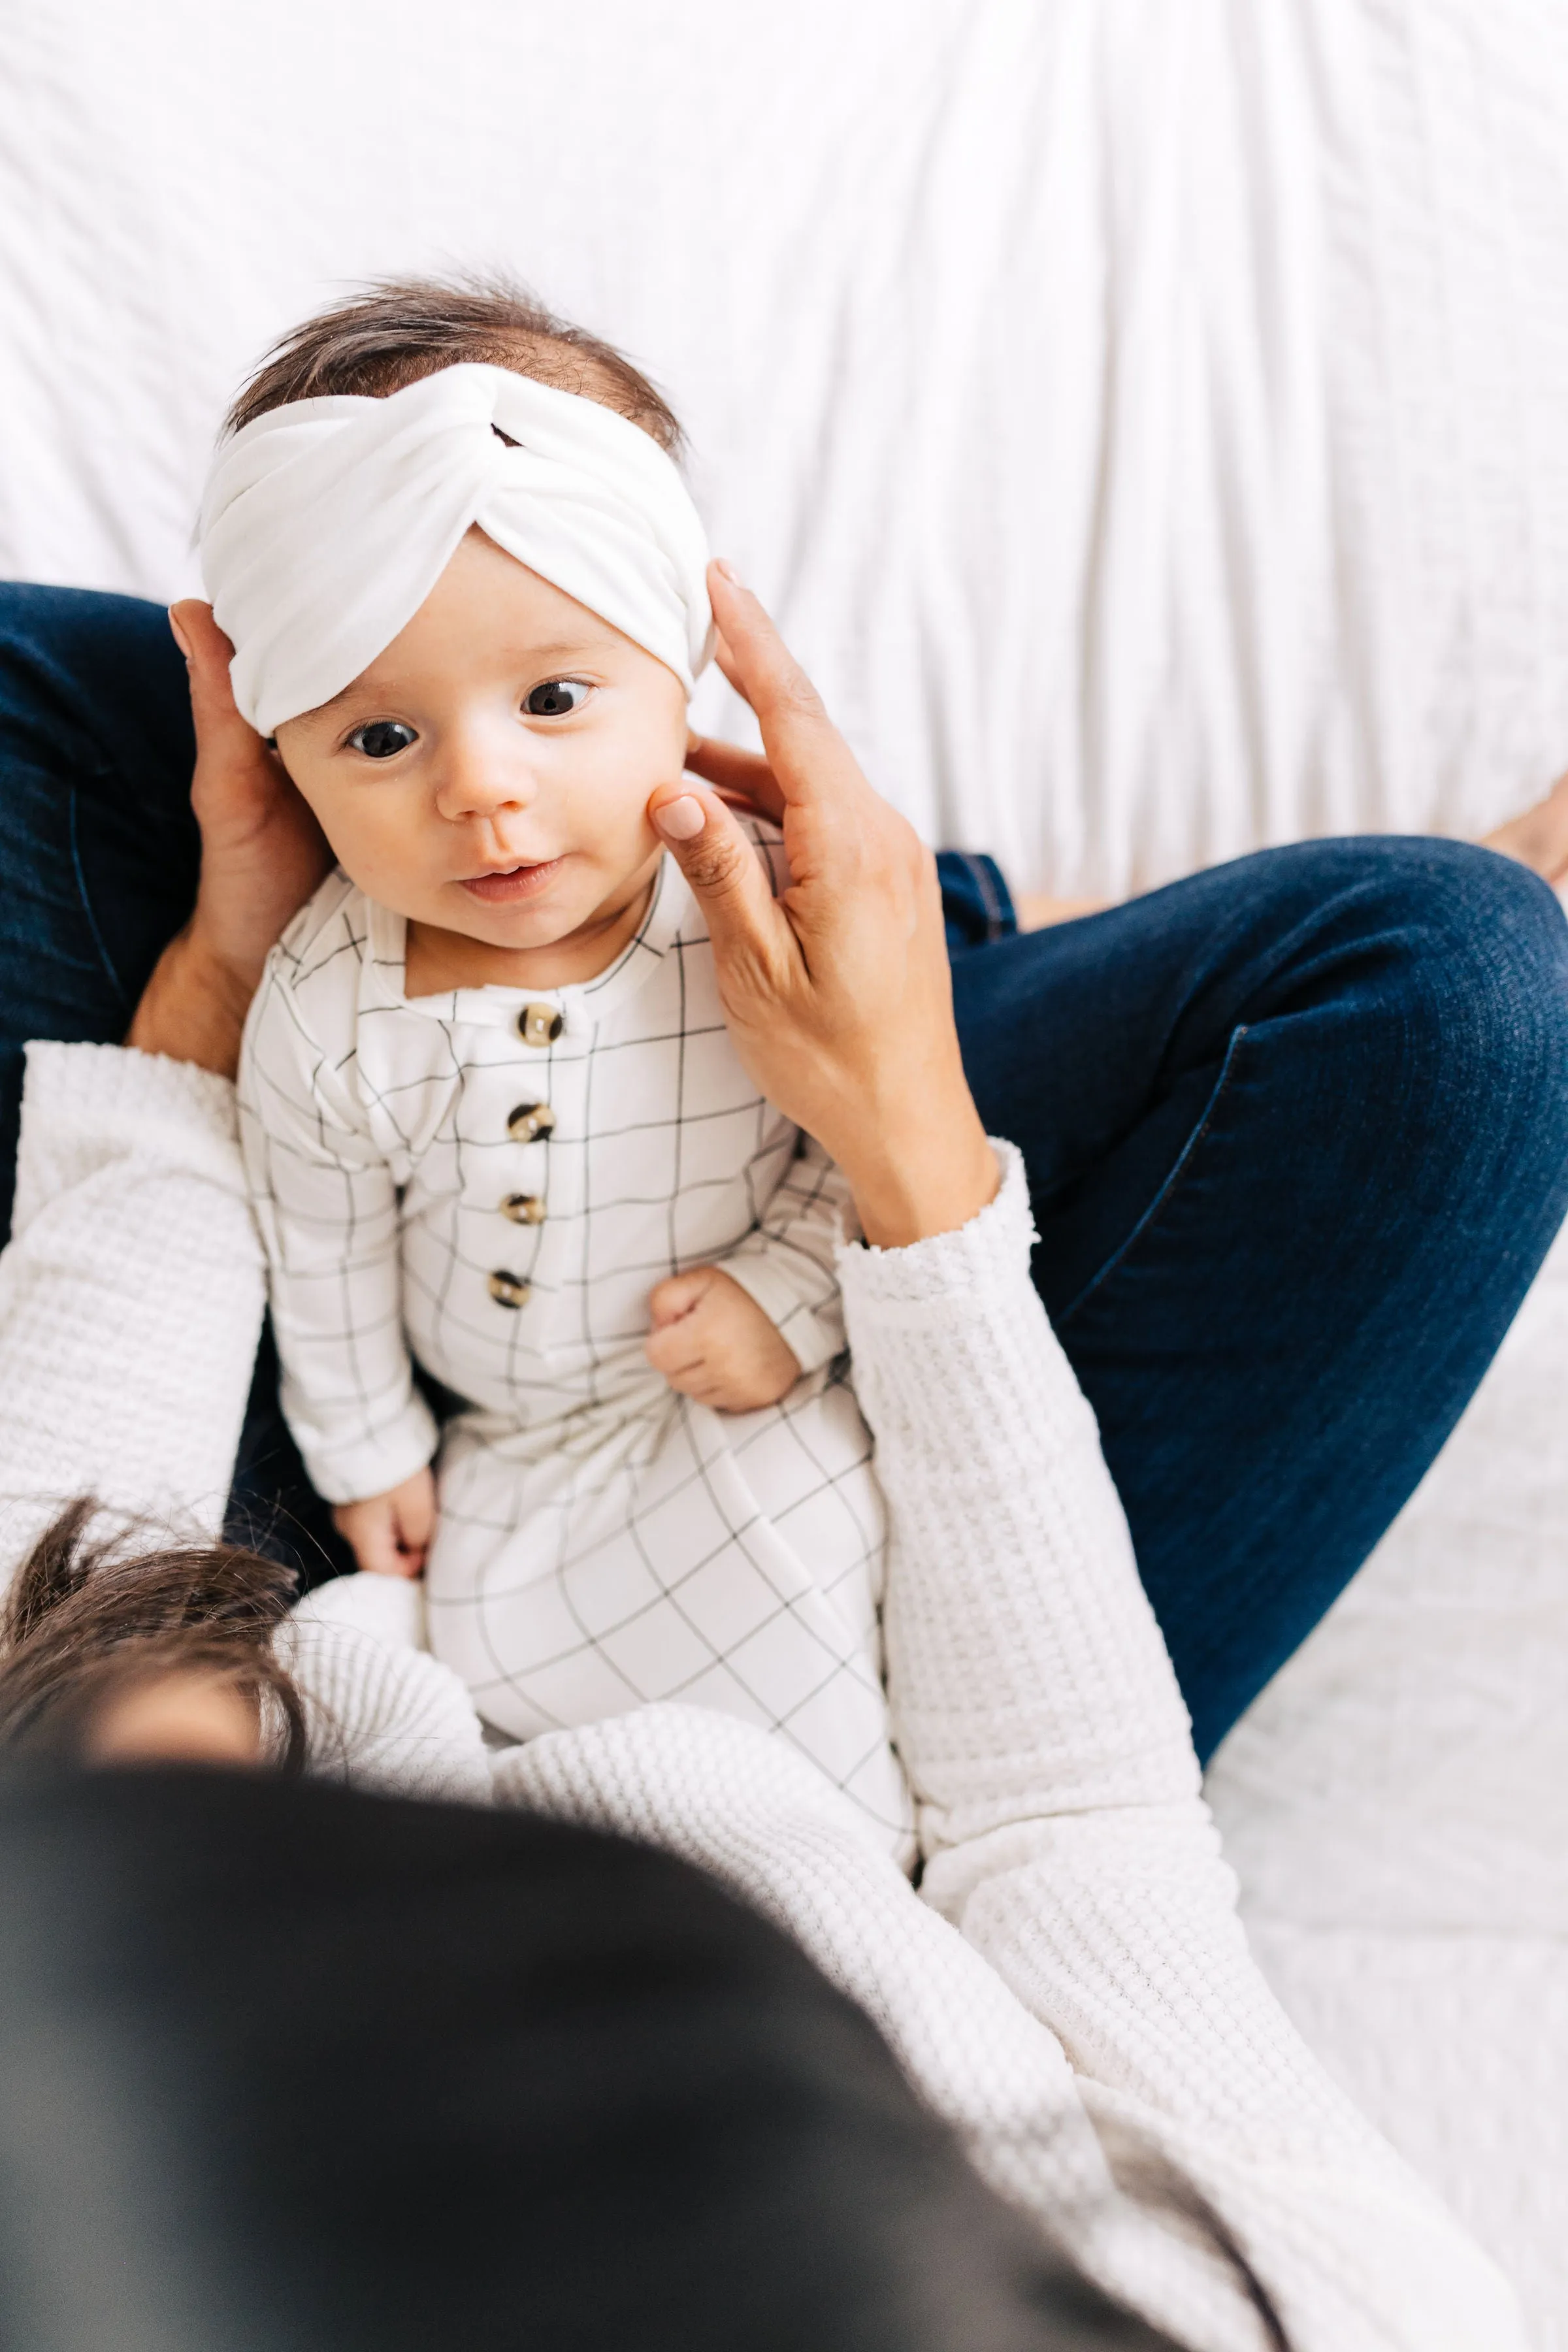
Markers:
{"x": 1060, "y": 1812}
{"x": 326, "y": 1203}
{"x": 787, "y": 1262}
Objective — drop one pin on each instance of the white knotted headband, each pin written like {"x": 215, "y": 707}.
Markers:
{"x": 325, "y": 524}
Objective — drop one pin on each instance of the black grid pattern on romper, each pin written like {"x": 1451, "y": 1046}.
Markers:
{"x": 819, "y": 1635}
{"x": 377, "y": 1139}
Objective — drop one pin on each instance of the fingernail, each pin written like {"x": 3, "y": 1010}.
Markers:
{"x": 681, "y": 820}
{"x": 722, "y": 563}
{"x": 179, "y": 637}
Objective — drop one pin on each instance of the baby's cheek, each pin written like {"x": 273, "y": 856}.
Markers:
{"x": 607, "y": 801}
{"x": 333, "y": 808}
{"x": 384, "y": 849}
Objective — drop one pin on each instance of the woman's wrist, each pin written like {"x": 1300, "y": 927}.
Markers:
{"x": 921, "y": 1179}
{"x": 193, "y": 1008}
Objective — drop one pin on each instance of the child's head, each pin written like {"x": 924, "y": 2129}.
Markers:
{"x": 469, "y": 611}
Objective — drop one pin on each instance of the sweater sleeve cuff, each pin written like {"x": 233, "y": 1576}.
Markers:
{"x": 990, "y": 1251}
{"x": 86, "y": 1105}
{"x": 104, "y": 1081}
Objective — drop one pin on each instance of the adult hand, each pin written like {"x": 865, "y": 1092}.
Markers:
{"x": 262, "y": 856}
{"x": 837, "y": 995}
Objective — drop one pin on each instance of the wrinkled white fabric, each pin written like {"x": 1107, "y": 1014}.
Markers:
{"x": 326, "y": 524}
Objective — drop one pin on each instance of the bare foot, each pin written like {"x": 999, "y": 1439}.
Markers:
{"x": 1035, "y": 912}
{"x": 1539, "y": 838}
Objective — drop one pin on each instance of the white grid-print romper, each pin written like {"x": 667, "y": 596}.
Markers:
{"x": 496, "y": 1179}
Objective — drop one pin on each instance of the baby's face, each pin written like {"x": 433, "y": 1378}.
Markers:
{"x": 488, "y": 773}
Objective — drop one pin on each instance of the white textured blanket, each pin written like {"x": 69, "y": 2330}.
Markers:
{"x": 1396, "y": 1804}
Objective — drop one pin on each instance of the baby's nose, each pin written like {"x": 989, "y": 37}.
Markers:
{"x": 474, "y": 783}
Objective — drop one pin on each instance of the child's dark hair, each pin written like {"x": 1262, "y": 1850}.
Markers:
{"x": 394, "y": 331}
{"x": 91, "y": 1614}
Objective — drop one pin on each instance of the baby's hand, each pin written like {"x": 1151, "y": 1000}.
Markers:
{"x": 390, "y": 1533}
{"x": 712, "y": 1341}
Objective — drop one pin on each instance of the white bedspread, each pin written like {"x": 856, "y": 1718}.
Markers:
{"x": 1150, "y": 421}
{"x": 1396, "y": 1804}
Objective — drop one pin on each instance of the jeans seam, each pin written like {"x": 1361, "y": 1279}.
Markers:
{"x": 988, "y": 889}
{"x": 98, "y": 939}
{"x": 991, "y": 907}
{"x": 1163, "y": 1197}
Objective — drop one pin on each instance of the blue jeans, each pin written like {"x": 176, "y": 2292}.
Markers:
{"x": 1297, "y": 1134}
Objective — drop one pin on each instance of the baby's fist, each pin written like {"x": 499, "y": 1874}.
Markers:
{"x": 390, "y": 1534}
{"x": 712, "y": 1341}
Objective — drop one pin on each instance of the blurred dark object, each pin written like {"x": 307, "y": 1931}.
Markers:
{"x": 287, "y": 2065}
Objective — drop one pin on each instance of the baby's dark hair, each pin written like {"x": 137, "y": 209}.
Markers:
{"x": 93, "y": 1611}
{"x": 394, "y": 331}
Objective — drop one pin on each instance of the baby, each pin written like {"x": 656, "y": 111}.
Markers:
{"x": 493, "y": 1120}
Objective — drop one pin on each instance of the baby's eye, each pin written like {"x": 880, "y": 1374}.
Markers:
{"x": 382, "y": 739}
{"x": 555, "y": 698}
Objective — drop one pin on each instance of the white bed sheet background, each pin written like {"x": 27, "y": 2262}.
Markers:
{"x": 1150, "y": 420}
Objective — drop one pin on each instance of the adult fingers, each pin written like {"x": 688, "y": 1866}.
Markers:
{"x": 721, "y": 654}
{"x": 726, "y": 878}
{"x": 729, "y": 770}
{"x": 806, "y": 755}
{"x": 199, "y": 638}
{"x": 208, "y": 653}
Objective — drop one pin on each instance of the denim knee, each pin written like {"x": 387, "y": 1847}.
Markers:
{"x": 1487, "y": 948}
{"x": 1470, "y": 955}
{"x": 93, "y": 688}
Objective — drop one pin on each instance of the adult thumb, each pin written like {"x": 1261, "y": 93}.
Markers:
{"x": 207, "y": 654}
{"x": 722, "y": 867}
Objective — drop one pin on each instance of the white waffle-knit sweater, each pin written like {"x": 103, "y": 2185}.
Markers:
{"x": 1070, "y": 1987}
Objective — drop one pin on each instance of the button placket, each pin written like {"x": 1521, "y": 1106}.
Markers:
{"x": 540, "y": 1025}
{"x": 530, "y": 1121}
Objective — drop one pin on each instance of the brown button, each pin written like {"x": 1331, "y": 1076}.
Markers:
{"x": 540, "y": 1025}
{"x": 523, "y": 1208}
{"x": 530, "y": 1120}
{"x": 509, "y": 1289}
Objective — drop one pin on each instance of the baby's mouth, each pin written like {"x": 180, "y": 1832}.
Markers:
{"x": 517, "y": 882}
